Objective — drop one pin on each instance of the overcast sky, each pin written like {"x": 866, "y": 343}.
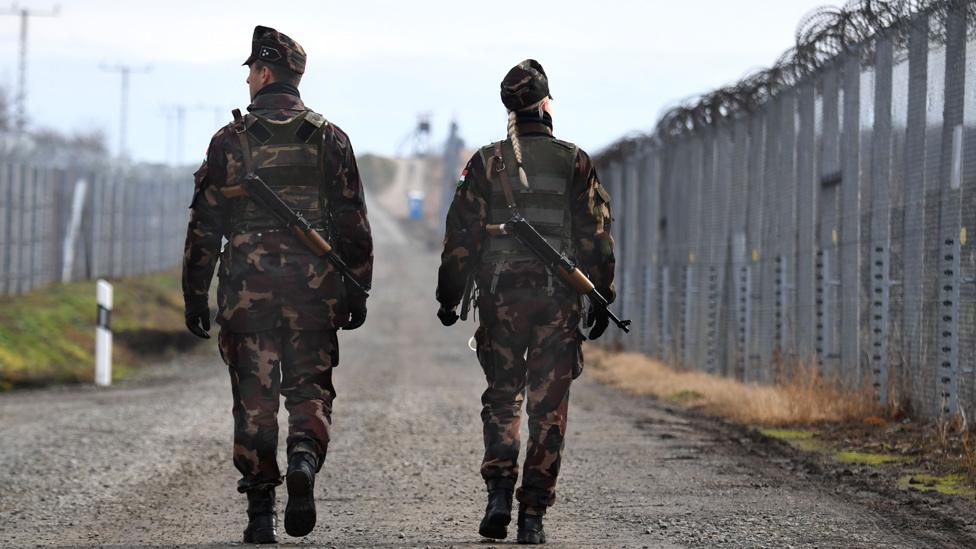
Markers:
{"x": 373, "y": 66}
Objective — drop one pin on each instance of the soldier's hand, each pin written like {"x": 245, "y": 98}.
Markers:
{"x": 197, "y": 314}
{"x": 447, "y": 316}
{"x": 599, "y": 318}
{"x": 357, "y": 314}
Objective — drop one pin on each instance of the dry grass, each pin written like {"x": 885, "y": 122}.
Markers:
{"x": 957, "y": 440}
{"x": 802, "y": 396}
{"x": 968, "y": 447}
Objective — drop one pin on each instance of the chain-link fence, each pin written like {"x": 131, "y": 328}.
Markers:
{"x": 817, "y": 211}
{"x": 59, "y": 224}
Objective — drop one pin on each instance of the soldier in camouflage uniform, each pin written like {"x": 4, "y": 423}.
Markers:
{"x": 529, "y": 338}
{"x": 279, "y": 305}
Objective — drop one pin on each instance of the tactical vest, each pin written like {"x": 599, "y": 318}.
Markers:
{"x": 549, "y": 164}
{"x": 287, "y": 155}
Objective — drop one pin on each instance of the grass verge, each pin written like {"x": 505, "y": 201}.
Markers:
{"x": 842, "y": 425}
{"x": 801, "y": 397}
{"x": 48, "y": 336}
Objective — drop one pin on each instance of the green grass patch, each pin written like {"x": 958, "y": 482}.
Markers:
{"x": 802, "y": 439}
{"x": 788, "y": 434}
{"x": 686, "y": 395}
{"x": 953, "y": 485}
{"x": 48, "y": 335}
{"x": 865, "y": 458}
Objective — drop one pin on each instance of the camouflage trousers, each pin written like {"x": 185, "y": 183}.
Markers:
{"x": 529, "y": 348}
{"x": 264, "y": 365}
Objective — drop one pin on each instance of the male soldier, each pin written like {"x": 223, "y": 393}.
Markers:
{"x": 279, "y": 305}
{"x": 528, "y": 332}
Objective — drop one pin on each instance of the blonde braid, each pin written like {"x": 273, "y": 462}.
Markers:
{"x": 517, "y": 147}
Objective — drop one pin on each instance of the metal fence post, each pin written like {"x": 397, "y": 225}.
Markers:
{"x": 950, "y": 181}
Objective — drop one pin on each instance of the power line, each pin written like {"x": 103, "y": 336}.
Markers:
{"x": 21, "y": 99}
{"x": 124, "y": 71}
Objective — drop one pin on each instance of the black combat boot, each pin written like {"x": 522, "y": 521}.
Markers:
{"x": 530, "y": 525}
{"x": 300, "y": 511}
{"x": 498, "y": 514}
{"x": 261, "y": 519}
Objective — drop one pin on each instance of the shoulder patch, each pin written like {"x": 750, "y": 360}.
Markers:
{"x": 199, "y": 182}
{"x": 200, "y": 175}
{"x": 315, "y": 119}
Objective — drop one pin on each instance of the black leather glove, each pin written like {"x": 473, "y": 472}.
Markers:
{"x": 597, "y": 319}
{"x": 447, "y": 316}
{"x": 357, "y": 311}
{"x": 197, "y": 315}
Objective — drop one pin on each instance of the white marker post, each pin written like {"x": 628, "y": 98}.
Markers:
{"x": 103, "y": 335}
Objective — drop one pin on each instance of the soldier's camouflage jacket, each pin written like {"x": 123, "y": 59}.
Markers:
{"x": 268, "y": 279}
{"x": 466, "y": 237}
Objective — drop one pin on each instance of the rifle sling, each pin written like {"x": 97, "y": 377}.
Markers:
{"x": 241, "y": 130}
{"x": 498, "y": 165}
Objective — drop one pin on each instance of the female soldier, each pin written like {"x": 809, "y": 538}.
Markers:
{"x": 528, "y": 334}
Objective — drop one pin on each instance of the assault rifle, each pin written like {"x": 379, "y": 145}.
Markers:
{"x": 264, "y": 197}
{"x": 557, "y": 262}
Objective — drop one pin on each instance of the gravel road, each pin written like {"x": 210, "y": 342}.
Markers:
{"x": 147, "y": 463}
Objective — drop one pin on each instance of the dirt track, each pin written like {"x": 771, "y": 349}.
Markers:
{"x": 147, "y": 463}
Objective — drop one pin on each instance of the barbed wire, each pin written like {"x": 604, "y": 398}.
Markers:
{"x": 821, "y": 36}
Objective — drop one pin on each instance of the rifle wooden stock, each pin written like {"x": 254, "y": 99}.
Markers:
{"x": 313, "y": 241}
{"x": 576, "y": 280}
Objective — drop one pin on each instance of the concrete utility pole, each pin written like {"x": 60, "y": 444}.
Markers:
{"x": 21, "y": 99}
{"x": 124, "y": 71}
{"x": 177, "y": 112}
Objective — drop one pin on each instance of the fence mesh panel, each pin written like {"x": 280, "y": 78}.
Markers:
{"x": 821, "y": 211}
{"x": 59, "y": 224}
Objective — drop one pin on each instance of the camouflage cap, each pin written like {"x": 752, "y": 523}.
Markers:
{"x": 273, "y": 47}
{"x": 525, "y": 85}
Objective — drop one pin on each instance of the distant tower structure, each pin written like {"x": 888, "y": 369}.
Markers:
{"x": 452, "y": 159}
{"x": 21, "y": 99}
{"x": 414, "y": 166}
{"x": 418, "y": 140}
